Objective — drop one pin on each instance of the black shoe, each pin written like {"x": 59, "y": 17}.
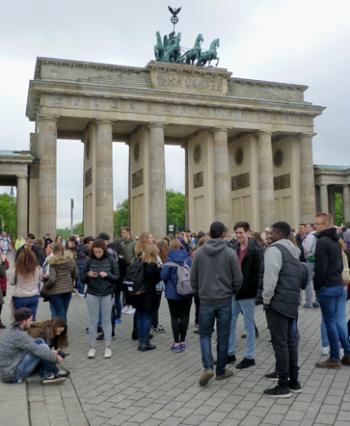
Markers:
{"x": 100, "y": 337}
{"x": 256, "y": 331}
{"x": 244, "y": 336}
{"x": 278, "y": 392}
{"x": 245, "y": 363}
{"x": 63, "y": 372}
{"x": 295, "y": 387}
{"x": 271, "y": 376}
{"x": 134, "y": 335}
{"x": 147, "y": 347}
{"x": 231, "y": 359}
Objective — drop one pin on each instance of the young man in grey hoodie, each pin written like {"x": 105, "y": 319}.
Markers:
{"x": 215, "y": 277}
{"x": 284, "y": 277}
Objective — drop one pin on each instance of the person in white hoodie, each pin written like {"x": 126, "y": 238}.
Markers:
{"x": 284, "y": 276}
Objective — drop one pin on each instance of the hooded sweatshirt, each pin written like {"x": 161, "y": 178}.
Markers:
{"x": 216, "y": 275}
{"x": 62, "y": 273}
{"x": 273, "y": 265}
{"x": 328, "y": 260}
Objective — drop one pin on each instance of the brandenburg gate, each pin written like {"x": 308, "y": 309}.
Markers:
{"x": 248, "y": 143}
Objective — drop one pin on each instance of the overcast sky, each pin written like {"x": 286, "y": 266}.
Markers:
{"x": 292, "y": 41}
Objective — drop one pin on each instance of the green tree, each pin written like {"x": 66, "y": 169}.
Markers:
{"x": 338, "y": 208}
{"x": 121, "y": 217}
{"x": 175, "y": 209}
{"x": 65, "y": 233}
{"x": 8, "y": 214}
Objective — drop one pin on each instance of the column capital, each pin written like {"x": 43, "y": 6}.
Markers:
{"x": 263, "y": 133}
{"x": 307, "y": 135}
{"x": 46, "y": 117}
{"x": 22, "y": 175}
{"x": 219, "y": 129}
{"x": 103, "y": 121}
{"x": 153, "y": 125}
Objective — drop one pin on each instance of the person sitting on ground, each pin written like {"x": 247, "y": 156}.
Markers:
{"x": 53, "y": 331}
{"x": 20, "y": 354}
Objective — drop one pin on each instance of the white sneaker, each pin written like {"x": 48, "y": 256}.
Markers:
{"x": 125, "y": 309}
{"x": 108, "y": 352}
{"x": 92, "y": 353}
{"x": 341, "y": 352}
{"x": 325, "y": 351}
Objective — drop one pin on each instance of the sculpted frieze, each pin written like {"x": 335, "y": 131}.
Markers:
{"x": 177, "y": 110}
{"x": 189, "y": 82}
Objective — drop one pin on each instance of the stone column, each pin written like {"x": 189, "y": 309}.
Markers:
{"x": 307, "y": 181}
{"x": 223, "y": 211}
{"x": 331, "y": 201}
{"x": 266, "y": 190}
{"x": 346, "y": 202}
{"x": 22, "y": 206}
{"x": 157, "y": 180}
{"x": 47, "y": 130}
{"x": 104, "y": 177}
{"x": 187, "y": 219}
{"x": 324, "y": 198}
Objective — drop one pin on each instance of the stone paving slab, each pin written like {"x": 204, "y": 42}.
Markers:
{"x": 161, "y": 388}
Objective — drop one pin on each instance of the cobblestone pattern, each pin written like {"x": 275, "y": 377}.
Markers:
{"x": 161, "y": 388}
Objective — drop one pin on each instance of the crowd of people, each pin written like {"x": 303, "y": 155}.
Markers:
{"x": 225, "y": 275}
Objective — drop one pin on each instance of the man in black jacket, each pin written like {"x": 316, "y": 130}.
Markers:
{"x": 330, "y": 290}
{"x": 249, "y": 256}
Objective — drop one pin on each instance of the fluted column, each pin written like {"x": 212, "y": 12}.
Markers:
{"x": 22, "y": 206}
{"x": 47, "y": 134}
{"x": 157, "y": 180}
{"x": 324, "y": 198}
{"x": 104, "y": 177}
{"x": 187, "y": 204}
{"x": 266, "y": 190}
{"x": 223, "y": 210}
{"x": 346, "y": 202}
{"x": 307, "y": 181}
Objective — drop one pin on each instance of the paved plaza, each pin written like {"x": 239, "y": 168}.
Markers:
{"x": 161, "y": 388}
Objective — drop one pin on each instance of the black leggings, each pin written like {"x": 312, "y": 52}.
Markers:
{"x": 180, "y": 316}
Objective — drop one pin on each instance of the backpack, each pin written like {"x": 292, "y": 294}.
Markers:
{"x": 183, "y": 286}
{"x": 133, "y": 281}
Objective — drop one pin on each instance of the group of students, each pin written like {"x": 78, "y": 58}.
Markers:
{"x": 225, "y": 277}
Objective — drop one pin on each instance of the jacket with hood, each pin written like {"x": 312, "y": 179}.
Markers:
{"x": 215, "y": 275}
{"x": 45, "y": 330}
{"x": 284, "y": 277}
{"x": 62, "y": 273}
{"x": 251, "y": 270}
{"x": 328, "y": 260}
{"x": 169, "y": 273}
{"x": 99, "y": 286}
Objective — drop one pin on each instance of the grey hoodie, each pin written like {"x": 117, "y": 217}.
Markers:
{"x": 215, "y": 275}
{"x": 273, "y": 265}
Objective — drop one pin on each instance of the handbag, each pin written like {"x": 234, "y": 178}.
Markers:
{"x": 346, "y": 271}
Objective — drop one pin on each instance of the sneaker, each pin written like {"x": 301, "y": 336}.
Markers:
{"x": 53, "y": 380}
{"x": 325, "y": 350}
{"x": 346, "y": 360}
{"x": 108, "y": 353}
{"x": 159, "y": 329}
{"x": 206, "y": 377}
{"x": 176, "y": 348}
{"x": 307, "y": 306}
{"x": 226, "y": 375}
{"x": 118, "y": 321}
{"x": 278, "y": 392}
{"x": 134, "y": 335}
{"x": 92, "y": 353}
{"x": 2, "y": 325}
{"x": 147, "y": 347}
{"x": 130, "y": 310}
{"x": 100, "y": 337}
{"x": 245, "y": 363}
{"x": 329, "y": 363}
{"x": 63, "y": 372}
{"x": 125, "y": 309}
{"x": 183, "y": 346}
{"x": 315, "y": 305}
{"x": 295, "y": 387}
{"x": 271, "y": 376}
{"x": 196, "y": 331}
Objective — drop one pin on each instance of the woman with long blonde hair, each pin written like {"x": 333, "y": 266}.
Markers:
{"x": 26, "y": 281}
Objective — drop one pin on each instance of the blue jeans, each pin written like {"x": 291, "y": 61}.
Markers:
{"x": 80, "y": 285}
{"x": 143, "y": 326}
{"x": 207, "y": 316}
{"x": 59, "y": 304}
{"x": 329, "y": 299}
{"x": 27, "y": 302}
{"x": 340, "y": 318}
{"x": 28, "y": 364}
{"x": 247, "y": 307}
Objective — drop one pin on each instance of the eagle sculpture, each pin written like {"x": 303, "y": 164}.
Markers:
{"x": 174, "y": 11}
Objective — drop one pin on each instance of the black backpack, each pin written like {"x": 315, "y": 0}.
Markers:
{"x": 133, "y": 281}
